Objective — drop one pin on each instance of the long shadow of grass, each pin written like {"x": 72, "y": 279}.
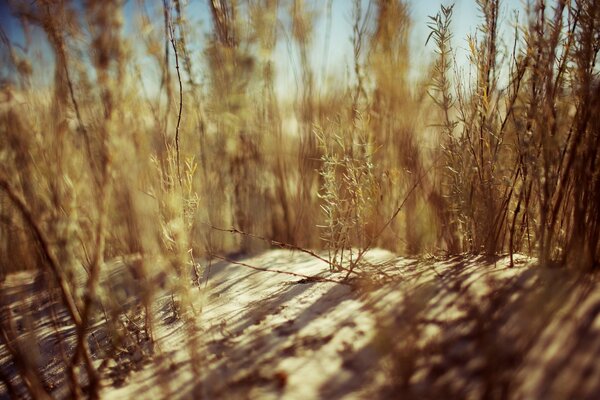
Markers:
{"x": 482, "y": 352}
{"x": 37, "y": 323}
{"x": 244, "y": 362}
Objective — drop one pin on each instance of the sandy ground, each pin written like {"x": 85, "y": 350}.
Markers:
{"x": 466, "y": 327}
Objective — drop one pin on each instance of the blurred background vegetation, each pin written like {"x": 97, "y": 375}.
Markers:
{"x": 131, "y": 133}
{"x": 150, "y": 129}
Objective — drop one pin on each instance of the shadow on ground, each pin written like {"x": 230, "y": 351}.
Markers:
{"x": 465, "y": 327}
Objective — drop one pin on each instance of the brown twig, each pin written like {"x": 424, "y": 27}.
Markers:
{"x": 312, "y": 278}
{"x": 173, "y": 44}
{"x": 280, "y": 245}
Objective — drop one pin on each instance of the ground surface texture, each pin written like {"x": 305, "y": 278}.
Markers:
{"x": 463, "y": 327}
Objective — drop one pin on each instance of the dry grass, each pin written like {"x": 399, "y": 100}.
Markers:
{"x": 97, "y": 168}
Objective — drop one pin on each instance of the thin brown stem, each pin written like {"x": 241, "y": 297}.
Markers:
{"x": 179, "y": 112}
{"x": 309, "y": 278}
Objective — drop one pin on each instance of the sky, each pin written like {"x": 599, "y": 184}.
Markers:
{"x": 465, "y": 20}
{"x": 466, "y": 17}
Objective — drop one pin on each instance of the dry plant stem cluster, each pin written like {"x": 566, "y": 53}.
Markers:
{"x": 521, "y": 140}
{"x": 81, "y": 301}
{"x": 101, "y": 191}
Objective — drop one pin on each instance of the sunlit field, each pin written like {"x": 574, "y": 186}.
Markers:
{"x": 300, "y": 199}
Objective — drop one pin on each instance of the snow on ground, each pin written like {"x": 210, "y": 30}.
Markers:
{"x": 465, "y": 327}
